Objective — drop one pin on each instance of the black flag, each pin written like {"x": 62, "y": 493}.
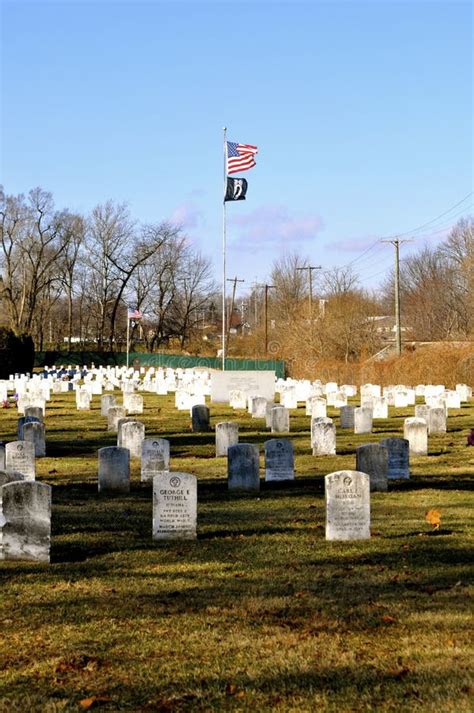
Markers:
{"x": 236, "y": 189}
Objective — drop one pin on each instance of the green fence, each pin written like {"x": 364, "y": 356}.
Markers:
{"x": 172, "y": 360}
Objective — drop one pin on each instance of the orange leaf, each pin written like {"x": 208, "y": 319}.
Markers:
{"x": 433, "y": 517}
{"x": 87, "y": 703}
{"x": 387, "y": 619}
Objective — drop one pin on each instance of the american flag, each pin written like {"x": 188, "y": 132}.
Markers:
{"x": 134, "y": 314}
{"x": 240, "y": 157}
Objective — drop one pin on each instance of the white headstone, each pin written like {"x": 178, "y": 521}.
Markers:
{"x": 20, "y": 458}
{"x": 174, "y": 506}
{"x": 415, "y": 431}
{"x": 227, "y": 434}
{"x": 347, "y": 495}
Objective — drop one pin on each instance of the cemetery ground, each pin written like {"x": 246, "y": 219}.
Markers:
{"x": 260, "y": 612}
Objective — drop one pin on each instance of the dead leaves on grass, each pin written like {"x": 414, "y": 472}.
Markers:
{"x": 87, "y": 703}
{"x": 433, "y": 517}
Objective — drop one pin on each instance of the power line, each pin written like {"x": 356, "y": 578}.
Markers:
{"x": 425, "y": 225}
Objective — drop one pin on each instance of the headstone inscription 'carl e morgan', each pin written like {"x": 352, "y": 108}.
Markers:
{"x": 174, "y": 506}
{"x": 347, "y": 495}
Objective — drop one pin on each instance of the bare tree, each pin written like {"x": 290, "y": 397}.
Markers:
{"x": 291, "y": 286}
{"x": 32, "y": 242}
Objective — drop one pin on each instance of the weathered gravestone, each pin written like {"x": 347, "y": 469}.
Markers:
{"x": 363, "y": 420}
{"x": 347, "y": 416}
{"x": 258, "y": 406}
{"x": 131, "y": 435}
{"x": 20, "y": 458}
{"x": 200, "y": 418}
{"x": 2, "y": 456}
{"x": 415, "y": 431}
{"x": 4, "y": 479}
{"x": 155, "y": 458}
{"x": 35, "y": 412}
{"x": 174, "y": 506}
{"x": 268, "y": 413}
{"x": 316, "y": 407}
{"x": 26, "y": 532}
{"x": 227, "y": 434}
{"x": 35, "y": 433}
{"x": 134, "y": 403}
{"x": 21, "y": 422}
{"x": 422, "y": 411}
{"x": 347, "y": 494}
{"x": 114, "y": 470}
{"x": 323, "y": 436}
{"x": 242, "y": 467}
{"x": 280, "y": 420}
{"x": 83, "y": 399}
{"x": 107, "y": 401}
{"x": 398, "y": 457}
{"x": 113, "y": 415}
{"x": 437, "y": 420}
{"x": 238, "y": 399}
{"x": 279, "y": 460}
{"x": 379, "y": 407}
{"x": 372, "y": 459}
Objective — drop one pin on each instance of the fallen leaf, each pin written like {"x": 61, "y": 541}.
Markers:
{"x": 387, "y": 619}
{"x": 87, "y": 703}
{"x": 433, "y": 517}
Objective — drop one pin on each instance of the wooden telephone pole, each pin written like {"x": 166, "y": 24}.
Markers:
{"x": 235, "y": 281}
{"x": 266, "y": 287}
{"x": 310, "y": 269}
{"x": 396, "y": 242}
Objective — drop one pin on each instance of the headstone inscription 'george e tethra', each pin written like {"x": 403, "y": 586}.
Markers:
{"x": 174, "y": 506}
{"x": 347, "y": 494}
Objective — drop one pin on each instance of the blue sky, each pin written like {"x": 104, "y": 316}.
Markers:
{"x": 362, "y": 112}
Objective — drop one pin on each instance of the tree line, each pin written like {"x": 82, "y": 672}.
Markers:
{"x": 66, "y": 279}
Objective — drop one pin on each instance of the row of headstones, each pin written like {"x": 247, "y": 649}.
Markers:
{"x": 199, "y": 382}
{"x": 25, "y": 512}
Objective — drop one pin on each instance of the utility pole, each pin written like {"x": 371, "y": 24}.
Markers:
{"x": 266, "y": 288}
{"x": 235, "y": 281}
{"x": 310, "y": 269}
{"x": 396, "y": 242}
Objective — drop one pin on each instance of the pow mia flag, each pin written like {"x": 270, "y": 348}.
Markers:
{"x": 236, "y": 189}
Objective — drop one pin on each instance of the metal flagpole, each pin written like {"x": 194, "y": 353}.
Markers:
{"x": 128, "y": 337}
{"x": 224, "y": 252}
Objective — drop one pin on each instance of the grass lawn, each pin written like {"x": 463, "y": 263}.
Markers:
{"x": 260, "y": 613}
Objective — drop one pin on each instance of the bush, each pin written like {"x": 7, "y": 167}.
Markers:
{"x": 17, "y": 353}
